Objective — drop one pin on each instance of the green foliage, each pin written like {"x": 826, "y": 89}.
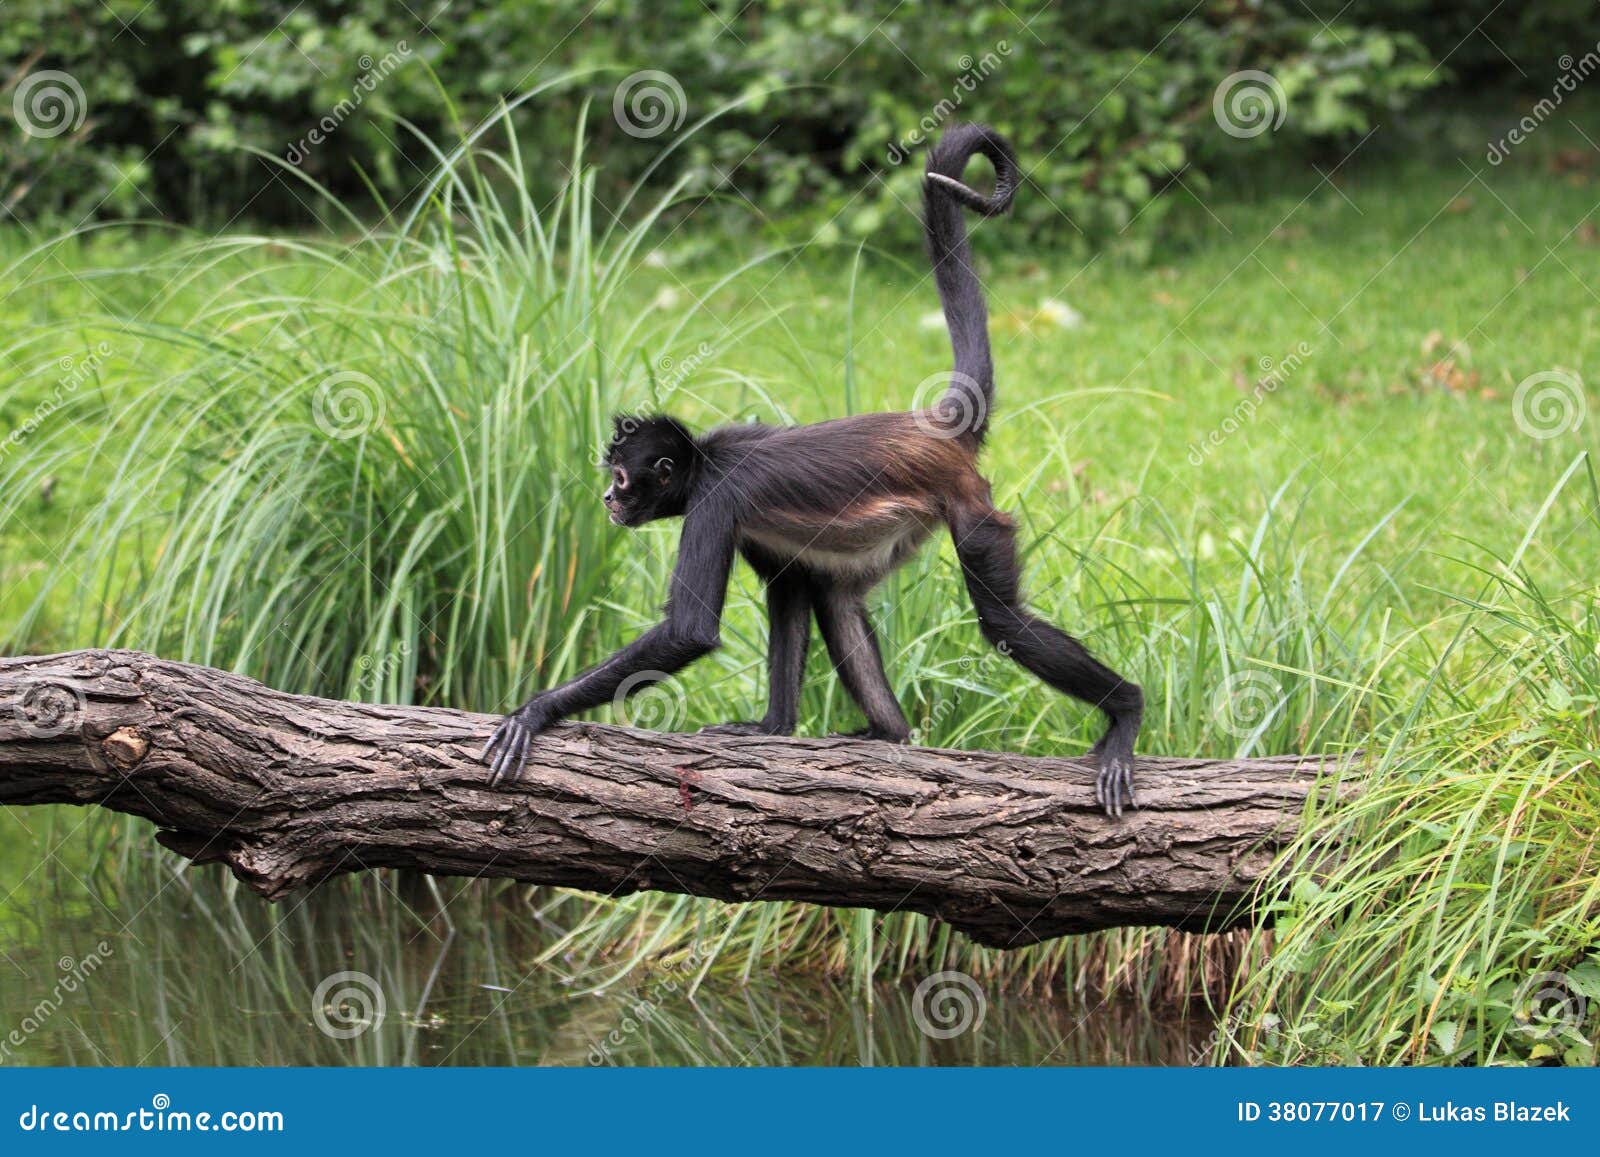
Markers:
{"x": 380, "y": 428}
{"x": 1449, "y": 913}
{"x": 202, "y": 507}
{"x": 820, "y": 100}
{"x": 1486, "y": 42}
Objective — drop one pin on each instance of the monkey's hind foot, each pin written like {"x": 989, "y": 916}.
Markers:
{"x": 1113, "y": 787}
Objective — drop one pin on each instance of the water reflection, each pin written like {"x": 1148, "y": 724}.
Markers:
{"x": 403, "y": 970}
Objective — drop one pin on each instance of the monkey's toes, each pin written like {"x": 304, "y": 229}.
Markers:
{"x": 511, "y": 740}
{"x": 1113, "y": 787}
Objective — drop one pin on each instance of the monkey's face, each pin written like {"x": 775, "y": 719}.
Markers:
{"x": 635, "y": 493}
{"x": 647, "y": 462}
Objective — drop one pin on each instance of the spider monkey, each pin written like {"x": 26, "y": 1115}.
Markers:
{"x": 824, "y": 512}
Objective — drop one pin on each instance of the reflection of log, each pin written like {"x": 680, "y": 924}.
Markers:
{"x": 287, "y": 790}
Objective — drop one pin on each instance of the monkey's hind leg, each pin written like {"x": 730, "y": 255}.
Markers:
{"x": 789, "y": 637}
{"x": 853, "y": 648}
{"x": 985, "y": 541}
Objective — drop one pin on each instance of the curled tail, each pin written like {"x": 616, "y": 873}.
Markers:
{"x": 944, "y": 195}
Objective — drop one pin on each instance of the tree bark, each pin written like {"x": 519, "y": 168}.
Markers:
{"x": 288, "y": 790}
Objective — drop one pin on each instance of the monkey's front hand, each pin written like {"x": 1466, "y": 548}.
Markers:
{"x": 513, "y": 737}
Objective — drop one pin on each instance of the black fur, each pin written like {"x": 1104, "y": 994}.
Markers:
{"x": 944, "y": 195}
{"x": 654, "y": 464}
{"x": 824, "y": 512}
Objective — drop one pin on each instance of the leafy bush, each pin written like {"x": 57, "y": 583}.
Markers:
{"x": 1485, "y": 42}
{"x": 820, "y": 100}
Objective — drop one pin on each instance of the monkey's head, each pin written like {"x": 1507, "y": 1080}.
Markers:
{"x": 650, "y": 461}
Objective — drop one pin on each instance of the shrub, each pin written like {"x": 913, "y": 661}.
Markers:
{"x": 819, "y": 100}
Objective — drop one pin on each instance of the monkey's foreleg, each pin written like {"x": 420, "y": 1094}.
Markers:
{"x": 690, "y": 630}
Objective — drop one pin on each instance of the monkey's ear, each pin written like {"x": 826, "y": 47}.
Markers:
{"x": 664, "y": 470}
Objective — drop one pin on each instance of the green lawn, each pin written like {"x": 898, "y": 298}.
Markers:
{"x": 1319, "y": 562}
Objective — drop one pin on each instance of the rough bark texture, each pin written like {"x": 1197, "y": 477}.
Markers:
{"x": 288, "y": 790}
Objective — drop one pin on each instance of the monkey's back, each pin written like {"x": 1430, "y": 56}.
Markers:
{"x": 853, "y": 497}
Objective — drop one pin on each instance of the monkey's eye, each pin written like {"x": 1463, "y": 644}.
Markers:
{"x": 620, "y": 477}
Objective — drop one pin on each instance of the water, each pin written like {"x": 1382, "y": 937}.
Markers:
{"x": 116, "y": 955}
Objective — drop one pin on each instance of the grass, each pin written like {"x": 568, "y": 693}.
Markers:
{"x": 358, "y": 466}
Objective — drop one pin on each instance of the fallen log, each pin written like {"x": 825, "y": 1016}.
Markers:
{"x": 287, "y": 790}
